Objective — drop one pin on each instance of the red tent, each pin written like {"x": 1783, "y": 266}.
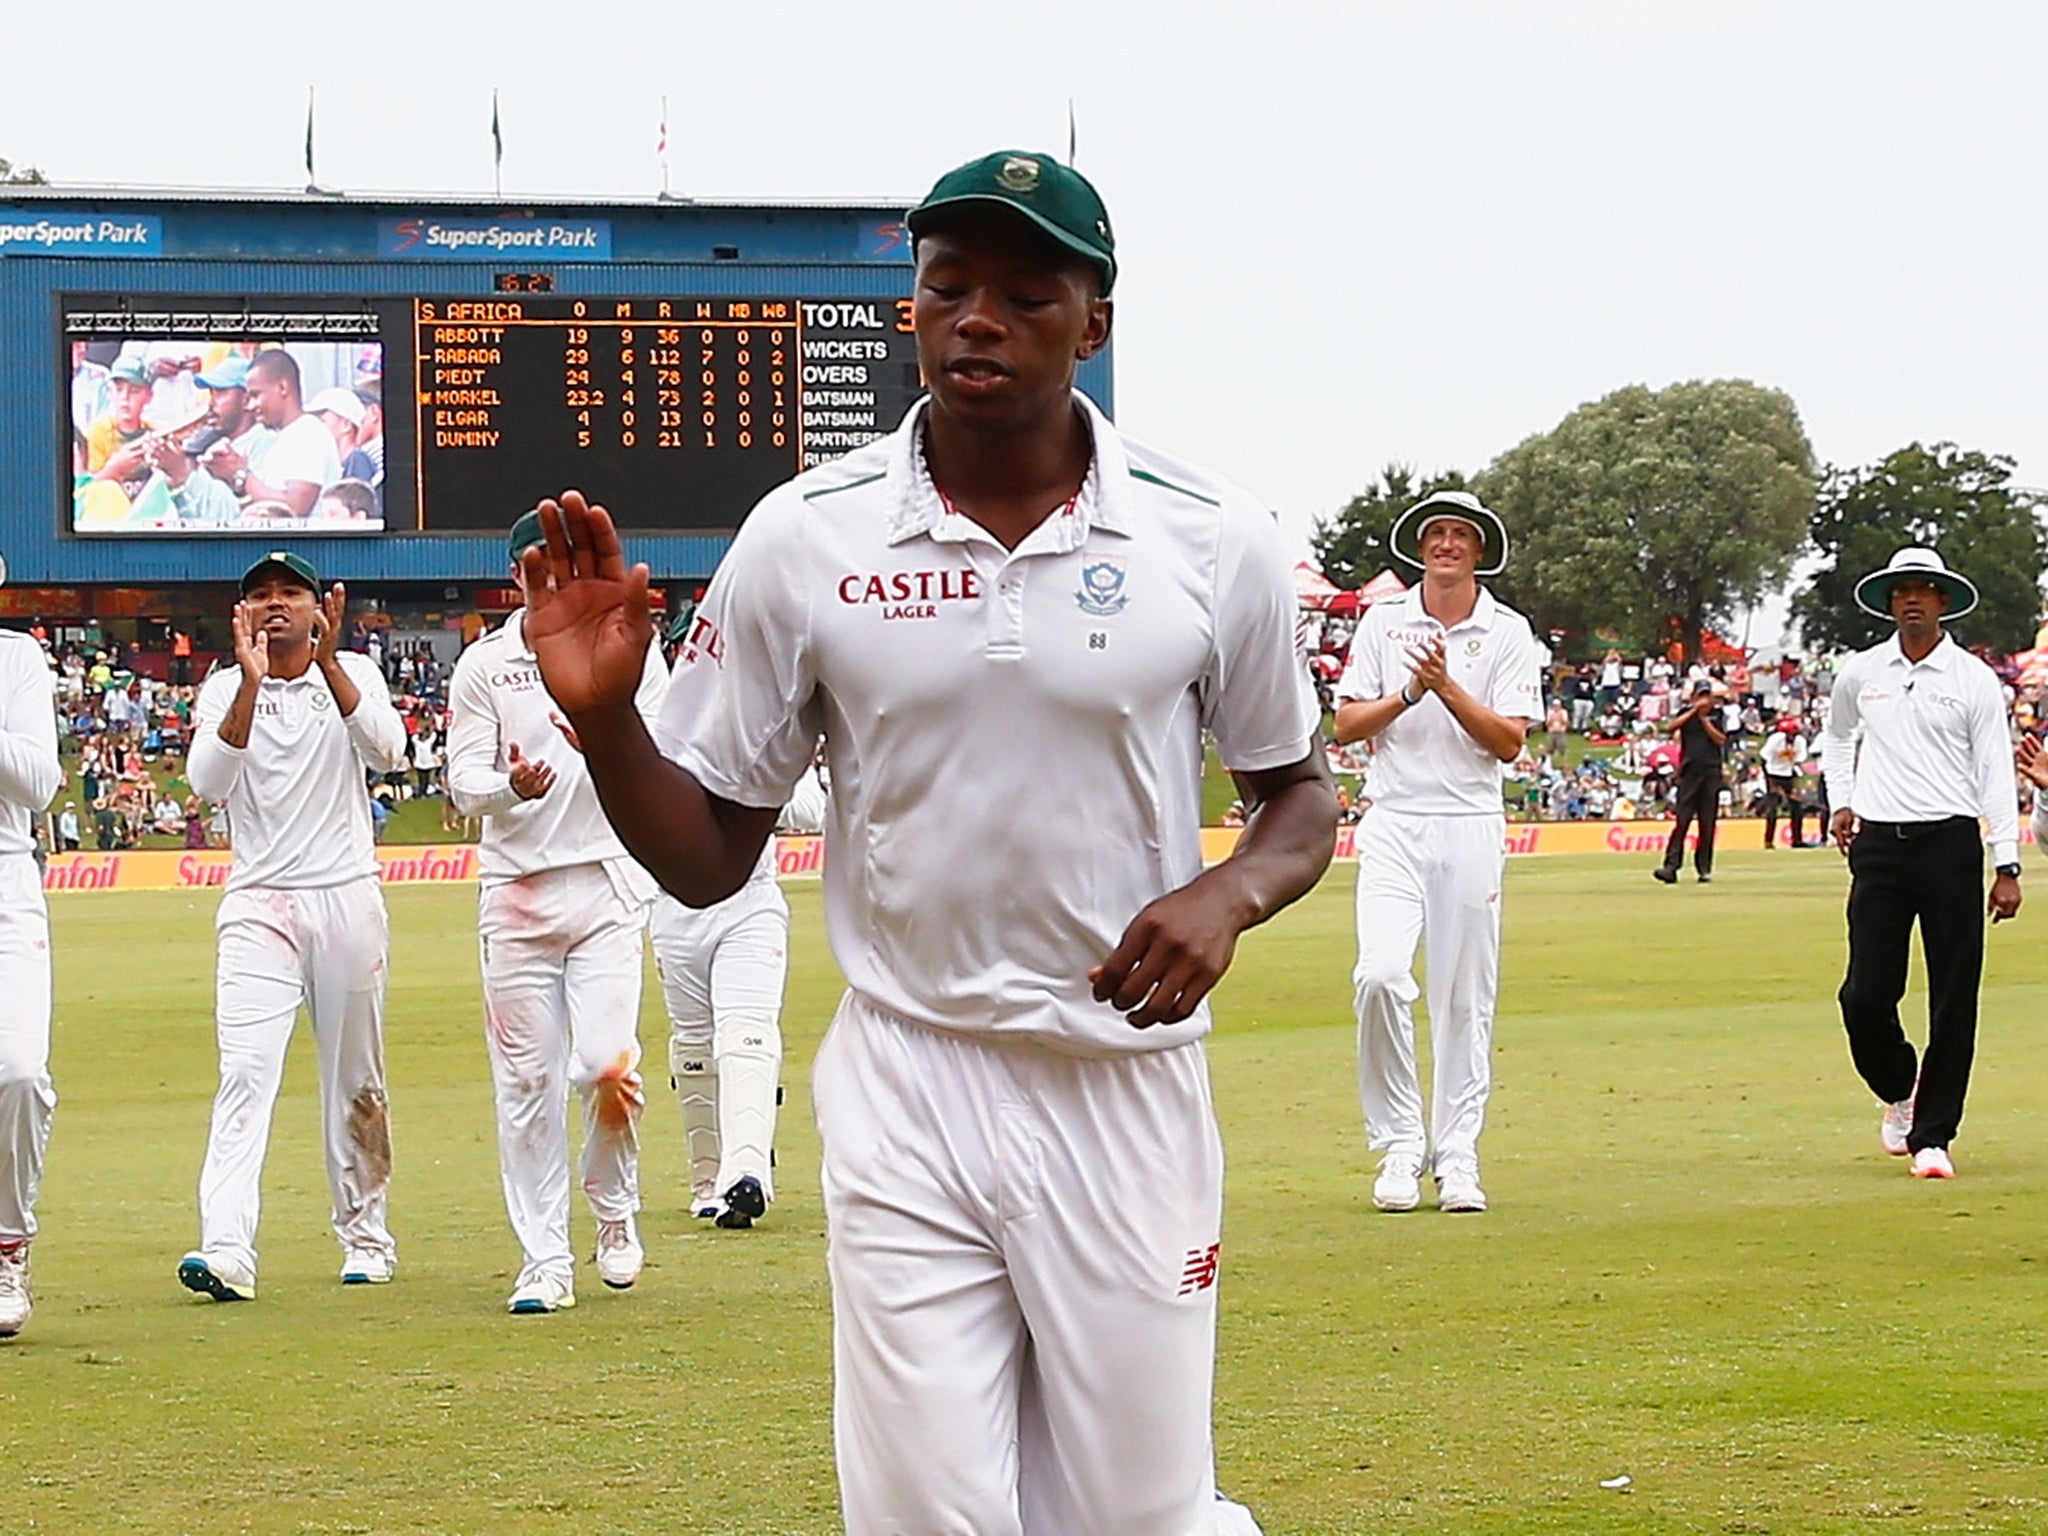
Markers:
{"x": 1312, "y": 589}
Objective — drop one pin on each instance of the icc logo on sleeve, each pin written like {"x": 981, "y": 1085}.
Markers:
{"x": 1102, "y": 590}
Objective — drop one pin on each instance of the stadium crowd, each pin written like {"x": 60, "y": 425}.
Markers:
{"x": 123, "y": 733}
{"x": 1603, "y": 751}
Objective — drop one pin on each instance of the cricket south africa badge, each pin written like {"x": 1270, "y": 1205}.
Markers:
{"x": 1102, "y": 589}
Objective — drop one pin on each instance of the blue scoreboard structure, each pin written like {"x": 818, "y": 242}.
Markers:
{"x": 459, "y": 360}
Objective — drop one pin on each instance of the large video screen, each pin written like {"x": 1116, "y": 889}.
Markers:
{"x": 194, "y": 422}
{"x": 452, "y": 415}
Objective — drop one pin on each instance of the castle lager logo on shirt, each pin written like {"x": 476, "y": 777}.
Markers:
{"x": 321, "y": 698}
{"x": 1473, "y": 646}
{"x": 1102, "y": 589}
{"x": 910, "y": 594}
{"x": 519, "y": 679}
{"x": 703, "y": 640}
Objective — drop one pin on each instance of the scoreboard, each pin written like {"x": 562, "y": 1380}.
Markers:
{"x": 675, "y": 413}
{"x": 463, "y": 357}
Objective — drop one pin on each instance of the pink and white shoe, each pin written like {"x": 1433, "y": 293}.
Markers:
{"x": 1933, "y": 1163}
{"x": 1896, "y": 1126}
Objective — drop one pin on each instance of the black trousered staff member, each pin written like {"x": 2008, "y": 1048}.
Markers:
{"x": 1700, "y": 739}
{"x": 1916, "y": 754}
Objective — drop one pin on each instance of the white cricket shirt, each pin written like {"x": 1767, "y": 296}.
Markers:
{"x": 497, "y": 699}
{"x": 29, "y": 771}
{"x": 1014, "y": 737}
{"x": 1783, "y": 754}
{"x": 297, "y": 799}
{"x": 1425, "y": 763}
{"x": 1922, "y": 741}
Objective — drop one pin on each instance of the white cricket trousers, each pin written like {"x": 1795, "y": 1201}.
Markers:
{"x": 562, "y": 956}
{"x": 27, "y": 1098}
{"x": 277, "y": 949}
{"x": 1435, "y": 879}
{"x": 722, "y": 973}
{"x": 1023, "y": 1252}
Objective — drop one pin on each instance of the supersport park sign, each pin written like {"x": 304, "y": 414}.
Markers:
{"x": 802, "y": 855}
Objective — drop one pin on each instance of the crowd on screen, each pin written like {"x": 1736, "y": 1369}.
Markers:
{"x": 175, "y": 434}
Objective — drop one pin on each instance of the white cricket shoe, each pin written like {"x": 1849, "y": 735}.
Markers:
{"x": 1897, "y": 1125}
{"x": 16, "y": 1300}
{"x": 542, "y": 1293}
{"x": 1933, "y": 1163}
{"x": 217, "y": 1275}
{"x": 1399, "y": 1185}
{"x": 620, "y": 1258}
{"x": 1457, "y": 1189}
{"x": 366, "y": 1266}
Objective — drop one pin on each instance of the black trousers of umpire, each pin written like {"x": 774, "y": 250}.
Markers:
{"x": 1899, "y": 871}
{"x": 1698, "y": 799}
{"x": 1782, "y": 794}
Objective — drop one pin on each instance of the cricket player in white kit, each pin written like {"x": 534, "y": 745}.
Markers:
{"x": 285, "y": 737}
{"x": 1445, "y": 682}
{"x": 722, "y": 973}
{"x": 1012, "y": 625}
{"x": 30, "y": 775}
{"x": 562, "y": 915}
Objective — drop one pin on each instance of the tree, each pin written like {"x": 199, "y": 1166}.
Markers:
{"x": 21, "y": 175}
{"x": 1959, "y": 502}
{"x": 1352, "y": 547}
{"x": 1659, "y": 512}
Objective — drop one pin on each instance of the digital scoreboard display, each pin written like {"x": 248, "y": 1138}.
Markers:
{"x": 677, "y": 414}
{"x": 453, "y": 415}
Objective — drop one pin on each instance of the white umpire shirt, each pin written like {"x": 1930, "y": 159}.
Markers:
{"x": 495, "y": 699}
{"x": 1014, "y": 737}
{"x": 1922, "y": 741}
{"x": 296, "y": 795}
{"x": 1425, "y": 763}
{"x": 29, "y": 770}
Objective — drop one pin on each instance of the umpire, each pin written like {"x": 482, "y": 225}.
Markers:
{"x": 1700, "y": 739}
{"x": 1934, "y": 759}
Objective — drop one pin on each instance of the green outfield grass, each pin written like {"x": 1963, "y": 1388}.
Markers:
{"x": 1699, "y": 1270}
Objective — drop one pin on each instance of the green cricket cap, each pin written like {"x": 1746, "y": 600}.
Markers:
{"x": 526, "y": 533}
{"x": 296, "y": 566}
{"x": 1055, "y": 197}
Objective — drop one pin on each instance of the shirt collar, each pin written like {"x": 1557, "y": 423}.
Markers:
{"x": 1936, "y": 660}
{"x": 514, "y": 631}
{"x": 1480, "y": 618}
{"x": 915, "y": 506}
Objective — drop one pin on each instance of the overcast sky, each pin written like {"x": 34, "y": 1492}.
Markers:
{"x": 1349, "y": 233}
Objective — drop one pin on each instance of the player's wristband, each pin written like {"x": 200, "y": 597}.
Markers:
{"x": 1406, "y": 700}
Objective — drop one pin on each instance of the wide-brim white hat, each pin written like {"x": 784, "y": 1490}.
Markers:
{"x": 1874, "y": 592}
{"x": 1405, "y": 539}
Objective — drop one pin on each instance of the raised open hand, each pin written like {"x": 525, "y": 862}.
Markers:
{"x": 252, "y": 644}
{"x": 2032, "y": 761}
{"x": 327, "y": 628}
{"x": 586, "y": 611}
